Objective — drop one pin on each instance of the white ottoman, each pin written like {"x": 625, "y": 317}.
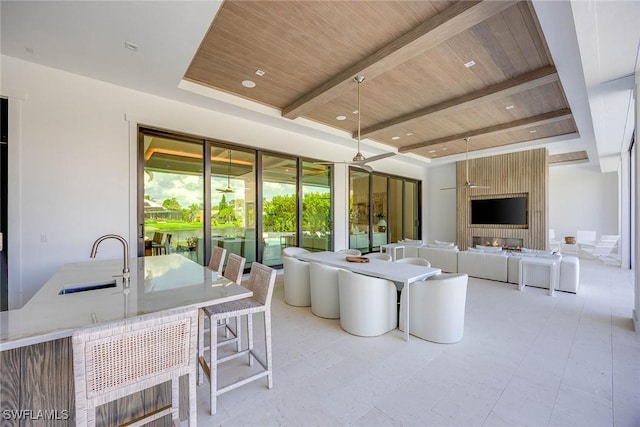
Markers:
{"x": 569, "y": 274}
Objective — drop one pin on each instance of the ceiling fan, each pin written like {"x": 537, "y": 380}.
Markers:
{"x": 467, "y": 184}
{"x": 228, "y": 189}
{"x": 359, "y": 160}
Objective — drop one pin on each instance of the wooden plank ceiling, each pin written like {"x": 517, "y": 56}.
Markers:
{"x": 418, "y": 96}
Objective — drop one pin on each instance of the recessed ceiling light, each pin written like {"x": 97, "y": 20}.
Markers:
{"x": 533, "y": 131}
{"x": 341, "y": 118}
{"x": 259, "y": 73}
{"x": 445, "y": 149}
{"x": 131, "y": 46}
{"x": 409, "y": 133}
{"x": 249, "y": 83}
{"x": 355, "y": 111}
{"x": 431, "y": 151}
{"x": 509, "y": 107}
{"x": 469, "y": 64}
{"x": 395, "y": 138}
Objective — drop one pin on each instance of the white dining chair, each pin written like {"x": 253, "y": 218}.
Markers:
{"x": 350, "y": 252}
{"x": 297, "y": 289}
{"x": 325, "y": 293}
{"x": 437, "y": 308}
{"x": 379, "y": 255}
{"x": 414, "y": 260}
{"x": 368, "y": 305}
{"x": 292, "y": 251}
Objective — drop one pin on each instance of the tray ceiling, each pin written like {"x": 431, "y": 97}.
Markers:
{"x": 418, "y": 96}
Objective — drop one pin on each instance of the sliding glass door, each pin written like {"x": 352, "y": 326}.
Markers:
{"x": 173, "y": 197}
{"x": 317, "y": 224}
{"x": 359, "y": 212}
{"x": 380, "y": 212}
{"x": 382, "y": 209}
{"x": 233, "y": 201}
{"x": 196, "y": 194}
{"x": 279, "y": 206}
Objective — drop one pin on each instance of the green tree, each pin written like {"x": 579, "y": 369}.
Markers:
{"x": 316, "y": 211}
{"x": 172, "y": 204}
{"x": 226, "y": 212}
{"x": 193, "y": 212}
{"x": 279, "y": 214}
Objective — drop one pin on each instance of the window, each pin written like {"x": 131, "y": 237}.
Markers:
{"x": 251, "y": 202}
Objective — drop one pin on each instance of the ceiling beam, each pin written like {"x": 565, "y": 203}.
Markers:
{"x": 523, "y": 83}
{"x": 542, "y": 119}
{"x": 440, "y": 28}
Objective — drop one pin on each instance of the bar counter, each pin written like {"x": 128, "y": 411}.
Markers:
{"x": 36, "y": 368}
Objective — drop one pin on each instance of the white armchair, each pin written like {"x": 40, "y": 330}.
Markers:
{"x": 437, "y": 308}
{"x": 368, "y": 305}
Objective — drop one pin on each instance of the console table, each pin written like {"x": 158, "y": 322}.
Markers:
{"x": 554, "y": 271}
{"x": 396, "y": 250}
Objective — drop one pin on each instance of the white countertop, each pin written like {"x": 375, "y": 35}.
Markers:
{"x": 157, "y": 283}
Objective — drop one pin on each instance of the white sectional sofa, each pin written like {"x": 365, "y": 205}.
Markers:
{"x": 492, "y": 264}
{"x": 484, "y": 265}
{"x": 444, "y": 258}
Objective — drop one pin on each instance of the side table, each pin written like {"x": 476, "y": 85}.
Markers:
{"x": 554, "y": 271}
{"x": 393, "y": 249}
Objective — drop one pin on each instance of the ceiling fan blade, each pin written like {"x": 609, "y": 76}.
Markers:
{"x": 477, "y": 186}
{"x": 378, "y": 157}
{"x": 361, "y": 166}
{"x": 449, "y": 188}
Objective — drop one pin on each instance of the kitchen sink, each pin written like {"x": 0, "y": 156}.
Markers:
{"x": 88, "y": 286}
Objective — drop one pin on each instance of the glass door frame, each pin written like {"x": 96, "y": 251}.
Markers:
{"x": 206, "y": 144}
{"x": 404, "y": 180}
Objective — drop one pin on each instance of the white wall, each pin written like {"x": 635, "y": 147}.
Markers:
{"x": 73, "y": 163}
{"x": 441, "y": 210}
{"x": 583, "y": 198}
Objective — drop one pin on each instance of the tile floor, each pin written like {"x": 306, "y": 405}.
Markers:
{"x": 526, "y": 359}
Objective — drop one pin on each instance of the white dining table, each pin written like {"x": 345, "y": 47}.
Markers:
{"x": 399, "y": 273}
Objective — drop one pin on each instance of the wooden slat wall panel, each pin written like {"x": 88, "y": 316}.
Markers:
{"x": 40, "y": 378}
{"x": 9, "y": 383}
{"x": 509, "y": 174}
{"x": 47, "y": 380}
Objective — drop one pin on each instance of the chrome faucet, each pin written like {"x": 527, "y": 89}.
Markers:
{"x": 125, "y": 268}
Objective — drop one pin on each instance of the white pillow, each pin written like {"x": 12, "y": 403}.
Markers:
{"x": 439, "y": 243}
{"x": 442, "y": 247}
{"x": 489, "y": 248}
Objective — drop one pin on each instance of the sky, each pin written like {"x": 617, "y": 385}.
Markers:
{"x": 187, "y": 189}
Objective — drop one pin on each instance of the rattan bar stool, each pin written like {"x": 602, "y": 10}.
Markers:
{"x": 233, "y": 271}
{"x": 217, "y": 259}
{"x": 261, "y": 281}
{"x": 121, "y": 358}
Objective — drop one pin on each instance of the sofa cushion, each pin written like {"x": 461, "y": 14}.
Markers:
{"x": 484, "y": 265}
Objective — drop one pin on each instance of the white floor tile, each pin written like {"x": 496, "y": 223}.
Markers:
{"x": 526, "y": 359}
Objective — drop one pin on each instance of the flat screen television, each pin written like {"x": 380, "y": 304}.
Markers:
{"x": 508, "y": 210}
